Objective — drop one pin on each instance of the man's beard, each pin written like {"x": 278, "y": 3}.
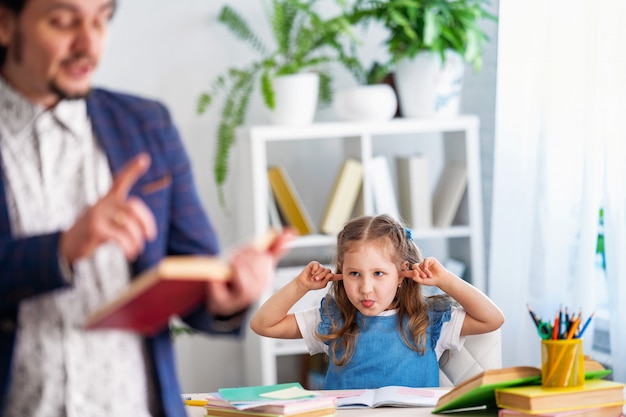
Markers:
{"x": 65, "y": 95}
{"x": 62, "y": 93}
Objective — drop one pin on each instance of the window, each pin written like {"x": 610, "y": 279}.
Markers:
{"x": 601, "y": 350}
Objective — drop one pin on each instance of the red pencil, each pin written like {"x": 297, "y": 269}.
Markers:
{"x": 555, "y": 329}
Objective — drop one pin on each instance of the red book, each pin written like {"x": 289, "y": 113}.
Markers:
{"x": 174, "y": 287}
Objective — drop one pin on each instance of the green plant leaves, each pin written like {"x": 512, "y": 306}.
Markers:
{"x": 240, "y": 28}
{"x": 306, "y": 40}
{"x": 426, "y": 25}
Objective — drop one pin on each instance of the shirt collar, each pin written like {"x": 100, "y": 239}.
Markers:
{"x": 18, "y": 113}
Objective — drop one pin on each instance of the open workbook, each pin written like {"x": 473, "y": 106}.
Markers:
{"x": 391, "y": 396}
{"x": 174, "y": 287}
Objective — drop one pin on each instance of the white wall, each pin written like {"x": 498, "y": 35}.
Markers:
{"x": 170, "y": 50}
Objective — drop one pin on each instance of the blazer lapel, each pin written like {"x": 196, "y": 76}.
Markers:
{"x": 112, "y": 129}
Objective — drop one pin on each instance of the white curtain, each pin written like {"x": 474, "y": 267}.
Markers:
{"x": 560, "y": 155}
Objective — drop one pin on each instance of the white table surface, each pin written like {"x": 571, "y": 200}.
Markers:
{"x": 194, "y": 411}
{"x": 378, "y": 412}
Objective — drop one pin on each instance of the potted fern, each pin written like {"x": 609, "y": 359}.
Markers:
{"x": 304, "y": 42}
{"x": 428, "y": 43}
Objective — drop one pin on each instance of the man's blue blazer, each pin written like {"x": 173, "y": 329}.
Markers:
{"x": 125, "y": 125}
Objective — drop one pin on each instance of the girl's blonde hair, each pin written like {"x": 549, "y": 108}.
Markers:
{"x": 396, "y": 240}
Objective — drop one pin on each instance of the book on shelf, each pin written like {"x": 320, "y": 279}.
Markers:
{"x": 391, "y": 396}
{"x": 383, "y": 189}
{"x": 173, "y": 287}
{"x": 534, "y": 399}
{"x": 479, "y": 390}
{"x": 276, "y": 220}
{"x": 608, "y": 411}
{"x": 414, "y": 197}
{"x": 288, "y": 200}
{"x": 448, "y": 194}
{"x": 343, "y": 197}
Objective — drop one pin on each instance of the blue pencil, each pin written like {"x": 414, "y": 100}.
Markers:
{"x": 580, "y": 333}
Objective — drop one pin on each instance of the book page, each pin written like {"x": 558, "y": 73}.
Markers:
{"x": 398, "y": 396}
{"x": 363, "y": 400}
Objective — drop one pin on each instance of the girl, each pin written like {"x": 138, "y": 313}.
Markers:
{"x": 375, "y": 324}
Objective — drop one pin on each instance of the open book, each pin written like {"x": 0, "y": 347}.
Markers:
{"x": 391, "y": 396}
{"x": 175, "y": 286}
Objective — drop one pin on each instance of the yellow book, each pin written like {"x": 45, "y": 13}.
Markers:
{"x": 534, "y": 399}
{"x": 289, "y": 201}
{"x": 342, "y": 197}
{"x": 610, "y": 411}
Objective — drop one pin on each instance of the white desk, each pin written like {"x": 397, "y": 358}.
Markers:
{"x": 380, "y": 412}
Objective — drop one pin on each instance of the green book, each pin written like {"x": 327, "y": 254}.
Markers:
{"x": 479, "y": 391}
{"x": 256, "y": 393}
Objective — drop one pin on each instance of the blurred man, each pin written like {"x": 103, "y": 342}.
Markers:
{"x": 96, "y": 187}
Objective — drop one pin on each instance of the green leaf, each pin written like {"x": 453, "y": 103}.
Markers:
{"x": 325, "y": 89}
{"x": 267, "y": 91}
{"x": 431, "y": 26}
{"x": 240, "y": 28}
{"x": 204, "y": 101}
{"x": 472, "y": 51}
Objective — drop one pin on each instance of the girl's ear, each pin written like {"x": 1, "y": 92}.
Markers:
{"x": 404, "y": 267}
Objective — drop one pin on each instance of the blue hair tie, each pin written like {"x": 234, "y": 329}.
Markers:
{"x": 409, "y": 234}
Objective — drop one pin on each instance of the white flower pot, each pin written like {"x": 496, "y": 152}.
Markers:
{"x": 429, "y": 88}
{"x": 296, "y": 99}
{"x": 375, "y": 102}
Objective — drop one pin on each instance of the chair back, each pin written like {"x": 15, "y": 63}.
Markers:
{"x": 479, "y": 353}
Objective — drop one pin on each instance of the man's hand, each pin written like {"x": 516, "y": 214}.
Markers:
{"x": 116, "y": 217}
{"x": 253, "y": 270}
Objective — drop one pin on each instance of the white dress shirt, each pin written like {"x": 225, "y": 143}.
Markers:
{"x": 53, "y": 169}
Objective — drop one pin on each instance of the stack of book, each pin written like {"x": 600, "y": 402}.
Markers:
{"x": 596, "y": 398}
{"x": 517, "y": 391}
{"x": 280, "y": 400}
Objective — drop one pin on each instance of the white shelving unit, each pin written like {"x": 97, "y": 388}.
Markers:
{"x": 443, "y": 141}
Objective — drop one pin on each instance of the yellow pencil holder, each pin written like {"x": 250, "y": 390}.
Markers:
{"x": 562, "y": 363}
